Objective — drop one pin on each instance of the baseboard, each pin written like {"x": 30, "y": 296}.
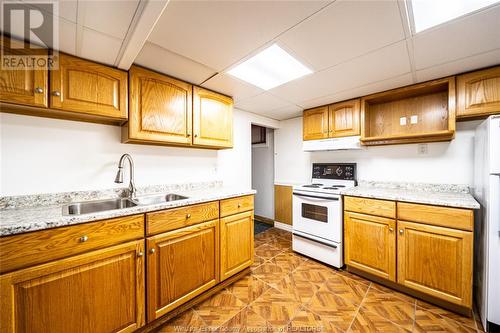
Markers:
{"x": 283, "y": 226}
{"x": 264, "y": 219}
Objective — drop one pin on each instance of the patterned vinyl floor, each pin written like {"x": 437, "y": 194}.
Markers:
{"x": 286, "y": 292}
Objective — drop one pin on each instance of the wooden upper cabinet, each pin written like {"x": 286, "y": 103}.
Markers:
{"x": 26, "y": 87}
{"x": 344, "y": 118}
{"x": 212, "y": 119}
{"x": 84, "y": 86}
{"x": 181, "y": 265}
{"x": 478, "y": 93}
{"x": 315, "y": 123}
{"x": 436, "y": 261}
{"x": 100, "y": 291}
{"x": 160, "y": 109}
{"x": 370, "y": 244}
{"x": 236, "y": 243}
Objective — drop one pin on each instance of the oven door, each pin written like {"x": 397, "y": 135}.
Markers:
{"x": 318, "y": 215}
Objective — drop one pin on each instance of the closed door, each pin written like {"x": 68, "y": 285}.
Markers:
{"x": 83, "y": 86}
{"x": 436, "y": 261}
{"x": 181, "y": 265}
{"x": 236, "y": 243}
{"x": 100, "y": 292}
{"x": 370, "y": 244}
{"x": 315, "y": 123}
{"x": 27, "y": 86}
{"x": 160, "y": 108}
{"x": 478, "y": 93}
{"x": 344, "y": 118}
{"x": 212, "y": 119}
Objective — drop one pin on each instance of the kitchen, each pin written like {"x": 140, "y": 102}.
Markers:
{"x": 130, "y": 181}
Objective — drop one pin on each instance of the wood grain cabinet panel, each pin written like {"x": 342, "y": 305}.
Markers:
{"x": 236, "y": 205}
{"x": 84, "y": 86}
{"x": 236, "y": 243}
{"x": 450, "y": 217}
{"x": 181, "y": 265}
{"x": 436, "y": 261}
{"x": 283, "y": 204}
{"x": 315, "y": 123}
{"x": 26, "y": 87}
{"x": 385, "y": 208}
{"x": 160, "y": 109}
{"x": 370, "y": 244}
{"x": 212, "y": 119}
{"x": 478, "y": 93}
{"x": 100, "y": 292}
{"x": 344, "y": 119}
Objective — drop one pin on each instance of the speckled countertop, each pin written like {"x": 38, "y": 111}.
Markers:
{"x": 432, "y": 194}
{"x": 38, "y": 217}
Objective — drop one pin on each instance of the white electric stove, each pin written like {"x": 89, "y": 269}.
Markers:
{"x": 317, "y": 212}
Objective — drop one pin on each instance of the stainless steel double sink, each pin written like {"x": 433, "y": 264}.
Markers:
{"x": 87, "y": 207}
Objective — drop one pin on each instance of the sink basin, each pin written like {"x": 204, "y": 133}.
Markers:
{"x": 158, "y": 198}
{"x": 86, "y": 207}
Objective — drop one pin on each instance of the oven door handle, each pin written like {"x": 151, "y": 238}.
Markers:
{"x": 315, "y": 196}
{"x": 315, "y": 240}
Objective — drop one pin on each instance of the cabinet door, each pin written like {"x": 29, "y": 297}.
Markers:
{"x": 181, "y": 265}
{"x": 236, "y": 239}
{"x": 100, "y": 291}
{"x": 370, "y": 244}
{"x": 344, "y": 118}
{"x": 84, "y": 86}
{"x": 436, "y": 261}
{"x": 26, "y": 87}
{"x": 478, "y": 93}
{"x": 160, "y": 109}
{"x": 212, "y": 119}
{"x": 283, "y": 204}
{"x": 315, "y": 123}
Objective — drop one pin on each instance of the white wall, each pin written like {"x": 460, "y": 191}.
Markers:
{"x": 446, "y": 162}
{"x": 41, "y": 155}
{"x": 263, "y": 176}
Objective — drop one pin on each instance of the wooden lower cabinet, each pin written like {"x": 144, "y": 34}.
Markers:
{"x": 370, "y": 244}
{"x": 436, "y": 261}
{"x": 283, "y": 204}
{"x": 236, "y": 245}
{"x": 100, "y": 291}
{"x": 181, "y": 264}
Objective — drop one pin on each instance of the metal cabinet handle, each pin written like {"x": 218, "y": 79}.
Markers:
{"x": 188, "y": 216}
{"x": 401, "y": 231}
{"x": 239, "y": 205}
{"x": 196, "y": 135}
{"x": 391, "y": 229}
{"x": 152, "y": 251}
{"x": 140, "y": 254}
{"x": 56, "y": 93}
{"x": 84, "y": 238}
{"x": 188, "y": 135}
{"x": 38, "y": 90}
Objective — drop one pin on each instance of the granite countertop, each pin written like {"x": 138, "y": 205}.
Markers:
{"x": 432, "y": 194}
{"x": 31, "y": 218}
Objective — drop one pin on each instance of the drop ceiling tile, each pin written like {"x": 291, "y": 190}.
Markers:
{"x": 157, "y": 58}
{"x": 459, "y": 66}
{"x": 470, "y": 35}
{"x": 110, "y": 17}
{"x": 286, "y": 112}
{"x": 220, "y": 33}
{"x": 261, "y": 103}
{"x": 344, "y": 30}
{"x": 99, "y": 47}
{"x": 391, "y": 61}
{"x": 232, "y": 86}
{"x": 67, "y": 36}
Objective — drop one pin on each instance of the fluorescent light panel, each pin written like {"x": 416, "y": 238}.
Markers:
{"x": 429, "y": 13}
{"x": 270, "y": 68}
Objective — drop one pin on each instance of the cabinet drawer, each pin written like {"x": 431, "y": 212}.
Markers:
{"x": 171, "y": 219}
{"x": 434, "y": 215}
{"x": 37, "y": 247}
{"x": 377, "y": 207}
{"x": 236, "y": 205}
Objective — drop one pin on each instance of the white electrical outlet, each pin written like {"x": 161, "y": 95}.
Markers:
{"x": 402, "y": 121}
{"x": 414, "y": 119}
{"x": 423, "y": 149}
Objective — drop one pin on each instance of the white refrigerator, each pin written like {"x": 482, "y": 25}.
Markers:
{"x": 487, "y": 224}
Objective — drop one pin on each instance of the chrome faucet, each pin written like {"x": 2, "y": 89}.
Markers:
{"x": 119, "y": 175}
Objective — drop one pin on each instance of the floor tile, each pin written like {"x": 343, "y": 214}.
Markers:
{"x": 281, "y": 233}
{"x": 246, "y": 321}
{"x": 299, "y": 289}
{"x": 390, "y": 307}
{"x": 267, "y": 251}
{"x": 401, "y": 296}
{"x": 354, "y": 277}
{"x": 257, "y": 261}
{"x": 467, "y": 321}
{"x": 340, "y": 311}
{"x": 248, "y": 289}
{"x": 265, "y": 236}
{"x": 427, "y": 321}
{"x": 281, "y": 243}
{"x": 307, "y": 321}
{"x": 316, "y": 275}
{"x": 367, "y": 322}
{"x": 188, "y": 321}
{"x": 276, "y": 308}
{"x": 287, "y": 261}
{"x": 270, "y": 273}
{"x": 346, "y": 288}
{"x": 219, "y": 308}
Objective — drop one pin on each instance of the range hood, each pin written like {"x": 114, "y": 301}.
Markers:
{"x": 346, "y": 143}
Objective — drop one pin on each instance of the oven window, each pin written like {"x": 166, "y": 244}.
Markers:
{"x": 314, "y": 212}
